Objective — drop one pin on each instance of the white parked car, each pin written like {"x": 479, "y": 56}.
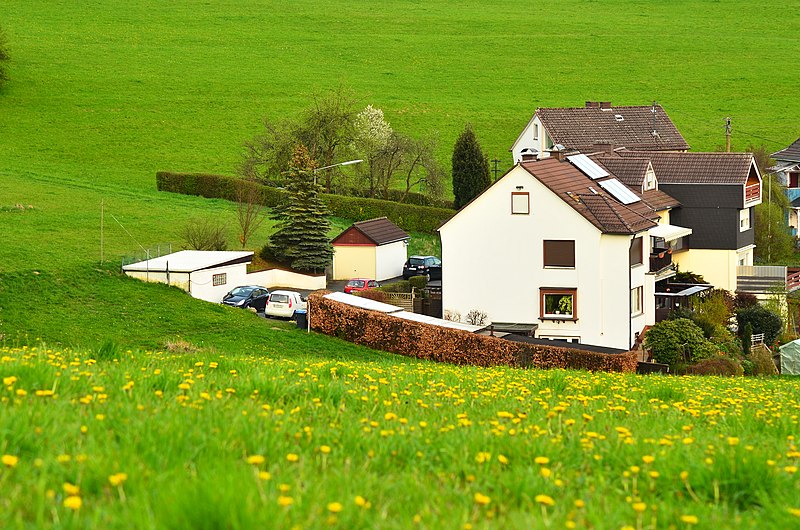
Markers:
{"x": 284, "y": 304}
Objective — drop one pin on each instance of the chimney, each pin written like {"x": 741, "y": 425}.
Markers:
{"x": 558, "y": 151}
{"x": 592, "y": 104}
{"x": 603, "y": 146}
{"x": 528, "y": 154}
{"x": 605, "y": 105}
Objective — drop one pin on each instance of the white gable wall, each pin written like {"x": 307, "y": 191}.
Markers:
{"x": 389, "y": 260}
{"x": 529, "y": 138}
{"x": 493, "y": 262}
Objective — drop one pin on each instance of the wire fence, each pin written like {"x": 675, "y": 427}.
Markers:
{"x": 156, "y": 251}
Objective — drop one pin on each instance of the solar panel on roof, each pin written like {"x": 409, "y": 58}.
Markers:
{"x": 587, "y": 166}
{"x": 619, "y": 191}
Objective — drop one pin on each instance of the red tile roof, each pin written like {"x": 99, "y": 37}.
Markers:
{"x": 628, "y": 126}
{"x": 380, "y": 231}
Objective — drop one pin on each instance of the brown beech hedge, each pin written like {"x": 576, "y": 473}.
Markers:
{"x": 424, "y": 341}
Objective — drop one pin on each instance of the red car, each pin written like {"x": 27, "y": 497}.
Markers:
{"x": 360, "y": 284}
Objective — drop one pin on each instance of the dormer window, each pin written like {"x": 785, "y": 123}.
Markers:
{"x": 649, "y": 180}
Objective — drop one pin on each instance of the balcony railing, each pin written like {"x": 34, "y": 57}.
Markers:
{"x": 752, "y": 192}
{"x": 660, "y": 260}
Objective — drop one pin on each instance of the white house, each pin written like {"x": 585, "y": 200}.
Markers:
{"x": 596, "y": 125}
{"x": 375, "y": 249}
{"x": 209, "y": 275}
{"x": 558, "y": 243}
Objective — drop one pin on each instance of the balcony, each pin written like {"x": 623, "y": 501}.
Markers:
{"x": 752, "y": 193}
{"x": 765, "y": 279}
{"x": 660, "y": 259}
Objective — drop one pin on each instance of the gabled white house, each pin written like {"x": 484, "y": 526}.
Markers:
{"x": 553, "y": 243}
{"x": 641, "y": 127}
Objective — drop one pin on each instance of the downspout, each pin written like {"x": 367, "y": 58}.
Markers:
{"x": 630, "y": 286}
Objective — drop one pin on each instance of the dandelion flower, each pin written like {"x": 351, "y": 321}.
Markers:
{"x": 545, "y": 472}
{"x": 545, "y": 500}
{"x": 482, "y": 499}
{"x": 795, "y": 511}
{"x": 324, "y": 449}
{"x": 579, "y": 503}
{"x": 639, "y": 507}
{"x": 73, "y": 502}
{"x": 541, "y": 460}
{"x": 10, "y": 460}
{"x": 291, "y": 457}
{"x": 648, "y": 459}
{"x": 502, "y": 459}
{"x": 117, "y": 478}
{"x": 689, "y": 519}
{"x": 264, "y": 475}
{"x": 255, "y": 460}
{"x": 71, "y": 489}
{"x": 360, "y": 501}
{"x": 335, "y": 507}
{"x": 285, "y": 501}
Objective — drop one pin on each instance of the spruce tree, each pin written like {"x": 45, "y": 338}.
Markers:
{"x": 301, "y": 239}
{"x": 470, "y": 168}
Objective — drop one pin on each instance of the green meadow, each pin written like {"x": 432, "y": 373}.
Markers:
{"x": 131, "y": 405}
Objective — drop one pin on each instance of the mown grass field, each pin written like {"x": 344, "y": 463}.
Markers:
{"x": 272, "y": 439}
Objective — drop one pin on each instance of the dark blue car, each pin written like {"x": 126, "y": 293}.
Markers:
{"x": 246, "y": 296}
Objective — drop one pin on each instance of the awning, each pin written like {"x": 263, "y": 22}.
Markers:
{"x": 689, "y": 291}
{"x": 670, "y": 232}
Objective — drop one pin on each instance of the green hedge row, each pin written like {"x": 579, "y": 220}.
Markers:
{"x": 407, "y": 216}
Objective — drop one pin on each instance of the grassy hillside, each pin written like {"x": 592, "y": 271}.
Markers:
{"x": 113, "y": 91}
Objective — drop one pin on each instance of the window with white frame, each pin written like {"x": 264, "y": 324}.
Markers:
{"x": 535, "y": 131}
{"x": 637, "y": 301}
{"x": 744, "y": 219}
{"x": 650, "y": 180}
{"x": 520, "y": 202}
{"x": 219, "y": 279}
{"x": 558, "y": 304}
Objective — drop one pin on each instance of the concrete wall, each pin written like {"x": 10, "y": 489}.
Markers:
{"x": 389, "y": 260}
{"x": 493, "y": 262}
{"x": 356, "y": 261}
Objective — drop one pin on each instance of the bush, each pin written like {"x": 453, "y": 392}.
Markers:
{"x": 400, "y": 286}
{"x": 762, "y": 320}
{"x": 205, "y": 234}
{"x": 372, "y": 294}
{"x": 748, "y": 367}
{"x": 716, "y": 366}
{"x": 747, "y": 338}
{"x": 744, "y": 300}
{"x": 418, "y": 282}
{"x": 672, "y": 341}
{"x": 406, "y": 216}
{"x": 762, "y": 359}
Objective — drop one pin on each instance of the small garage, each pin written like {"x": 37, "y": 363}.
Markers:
{"x": 375, "y": 249}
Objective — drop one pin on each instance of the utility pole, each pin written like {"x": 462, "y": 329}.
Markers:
{"x": 727, "y": 135}
{"x": 102, "y": 215}
{"x": 495, "y": 170}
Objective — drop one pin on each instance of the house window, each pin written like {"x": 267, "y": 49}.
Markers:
{"x": 744, "y": 219}
{"x": 219, "y": 279}
{"x": 636, "y": 253}
{"x": 794, "y": 180}
{"x": 637, "y": 301}
{"x": 520, "y": 202}
{"x": 559, "y": 253}
{"x": 535, "y": 131}
{"x": 650, "y": 181}
{"x": 558, "y": 304}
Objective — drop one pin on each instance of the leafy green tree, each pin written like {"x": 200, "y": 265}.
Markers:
{"x": 774, "y": 242}
{"x": 301, "y": 240}
{"x": 4, "y": 58}
{"x": 676, "y": 341}
{"x": 470, "y": 168}
{"x": 762, "y": 320}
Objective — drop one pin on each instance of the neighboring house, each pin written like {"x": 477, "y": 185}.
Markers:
{"x": 787, "y": 167}
{"x": 717, "y": 194}
{"x": 562, "y": 244}
{"x": 206, "y": 275}
{"x": 370, "y": 249}
{"x": 596, "y": 126}
{"x": 209, "y": 275}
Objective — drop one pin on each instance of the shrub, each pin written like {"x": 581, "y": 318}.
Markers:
{"x": 744, "y": 300}
{"x": 747, "y": 338}
{"x": 748, "y": 367}
{"x": 762, "y": 359}
{"x": 716, "y": 366}
{"x": 476, "y": 317}
{"x": 400, "y": 286}
{"x": 763, "y": 321}
{"x": 373, "y": 294}
{"x": 406, "y": 216}
{"x": 674, "y": 340}
{"x": 418, "y": 282}
{"x": 205, "y": 234}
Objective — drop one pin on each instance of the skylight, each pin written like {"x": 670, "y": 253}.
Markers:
{"x": 619, "y": 191}
{"x": 587, "y": 166}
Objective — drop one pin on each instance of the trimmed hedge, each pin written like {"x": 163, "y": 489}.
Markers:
{"x": 435, "y": 343}
{"x": 406, "y": 216}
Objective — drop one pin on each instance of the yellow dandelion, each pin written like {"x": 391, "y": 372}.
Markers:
{"x": 255, "y": 460}
{"x": 360, "y": 501}
{"x": 71, "y": 489}
{"x": 732, "y": 440}
{"x": 284, "y": 488}
{"x": 684, "y": 475}
{"x": 541, "y": 460}
{"x": 73, "y": 502}
{"x": 545, "y": 472}
{"x": 10, "y": 460}
{"x": 285, "y": 501}
{"x": 117, "y": 478}
{"x": 654, "y": 474}
{"x": 502, "y": 459}
{"x": 639, "y": 507}
{"x": 579, "y": 503}
{"x": 291, "y": 457}
{"x": 795, "y": 511}
{"x": 8, "y": 381}
{"x": 790, "y": 469}
{"x": 689, "y": 519}
{"x": 324, "y": 449}
{"x": 648, "y": 459}
{"x": 545, "y": 500}
{"x": 264, "y": 475}
{"x": 482, "y": 499}
{"x": 335, "y": 507}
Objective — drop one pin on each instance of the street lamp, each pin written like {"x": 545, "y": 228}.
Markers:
{"x": 348, "y": 163}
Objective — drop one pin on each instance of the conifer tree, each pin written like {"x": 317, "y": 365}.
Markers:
{"x": 301, "y": 239}
{"x": 470, "y": 168}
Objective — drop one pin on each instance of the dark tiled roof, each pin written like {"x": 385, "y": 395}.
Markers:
{"x": 630, "y": 171}
{"x": 381, "y": 231}
{"x": 790, "y": 154}
{"x": 598, "y": 207}
{"x": 697, "y": 168}
{"x": 582, "y": 128}
{"x": 658, "y": 200}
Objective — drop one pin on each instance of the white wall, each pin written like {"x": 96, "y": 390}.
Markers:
{"x": 389, "y": 260}
{"x": 178, "y": 279}
{"x": 202, "y": 282}
{"x": 526, "y": 140}
{"x": 493, "y": 262}
{"x": 280, "y": 278}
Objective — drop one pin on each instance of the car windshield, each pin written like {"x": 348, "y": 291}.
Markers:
{"x": 241, "y": 291}
{"x": 356, "y": 283}
{"x": 416, "y": 261}
{"x": 280, "y": 298}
